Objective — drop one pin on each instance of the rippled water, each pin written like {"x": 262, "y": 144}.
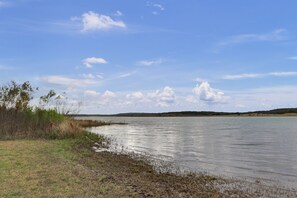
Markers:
{"x": 249, "y": 147}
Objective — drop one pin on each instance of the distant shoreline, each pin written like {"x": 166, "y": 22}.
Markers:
{"x": 286, "y": 112}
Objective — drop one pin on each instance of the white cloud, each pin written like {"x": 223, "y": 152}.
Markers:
{"x": 161, "y": 98}
{"x": 108, "y": 98}
{"x": 283, "y": 74}
{"x": 198, "y": 79}
{"x": 124, "y": 75}
{"x": 108, "y": 94}
{"x": 164, "y": 97}
{"x": 91, "y": 93}
{"x": 241, "y": 76}
{"x": 138, "y": 96}
{"x": 209, "y": 99}
{"x": 93, "y": 21}
{"x": 255, "y": 75}
{"x": 191, "y": 99}
{"x": 91, "y": 76}
{"x": 159, "y": 6}
{"x": 208, "y": 94}
{"x": 150, "y": 62}
{"x": 118, "y": 13}
{"x": 89, "y": 62}
{"x": 66, "y": 81}
{"x": 276, "y": 35}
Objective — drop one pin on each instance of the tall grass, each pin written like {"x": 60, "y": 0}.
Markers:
{"x": 18, "y": 119}
{"x": 37, "y": 123}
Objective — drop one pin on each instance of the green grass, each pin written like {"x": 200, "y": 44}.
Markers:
{"x": 47, "y": 168}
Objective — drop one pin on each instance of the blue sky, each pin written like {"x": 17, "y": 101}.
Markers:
{"x": 154, "y": 56}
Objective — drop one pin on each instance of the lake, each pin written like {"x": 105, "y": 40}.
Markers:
{"x": 253, "y": 148}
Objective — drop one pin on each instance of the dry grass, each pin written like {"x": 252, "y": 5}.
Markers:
{"x": 66, "y": 129}
{"x": 94, "y": 123}
{"x": 41, "y": 124}
{"x": 52, "y": 130}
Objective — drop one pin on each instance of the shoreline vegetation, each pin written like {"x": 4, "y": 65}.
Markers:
{"x": 45, "y": 153}
{"x": 95, "y": 123}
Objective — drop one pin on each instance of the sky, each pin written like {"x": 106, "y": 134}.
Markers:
{"x": 154, "y": 56}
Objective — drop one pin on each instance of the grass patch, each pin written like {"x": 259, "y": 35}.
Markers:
{"x": 47, "y": 168}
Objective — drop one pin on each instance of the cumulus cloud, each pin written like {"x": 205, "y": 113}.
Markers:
{"x": 91, "y": 93}
{"x": 150, "y": 62}
{"x": 164, "y": 97}
{"x": 89, "y": 62}
{"x": 66, "y": 81}
{"x": 136, "y": 97}
{"x": 206, "y": 93}
{"x": 108, "y": 94}
{"x": 93, "y": 22}
{"x": 108, "y": 97}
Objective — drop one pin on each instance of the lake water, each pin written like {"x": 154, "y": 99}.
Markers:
{"x": 250, "y": 147}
